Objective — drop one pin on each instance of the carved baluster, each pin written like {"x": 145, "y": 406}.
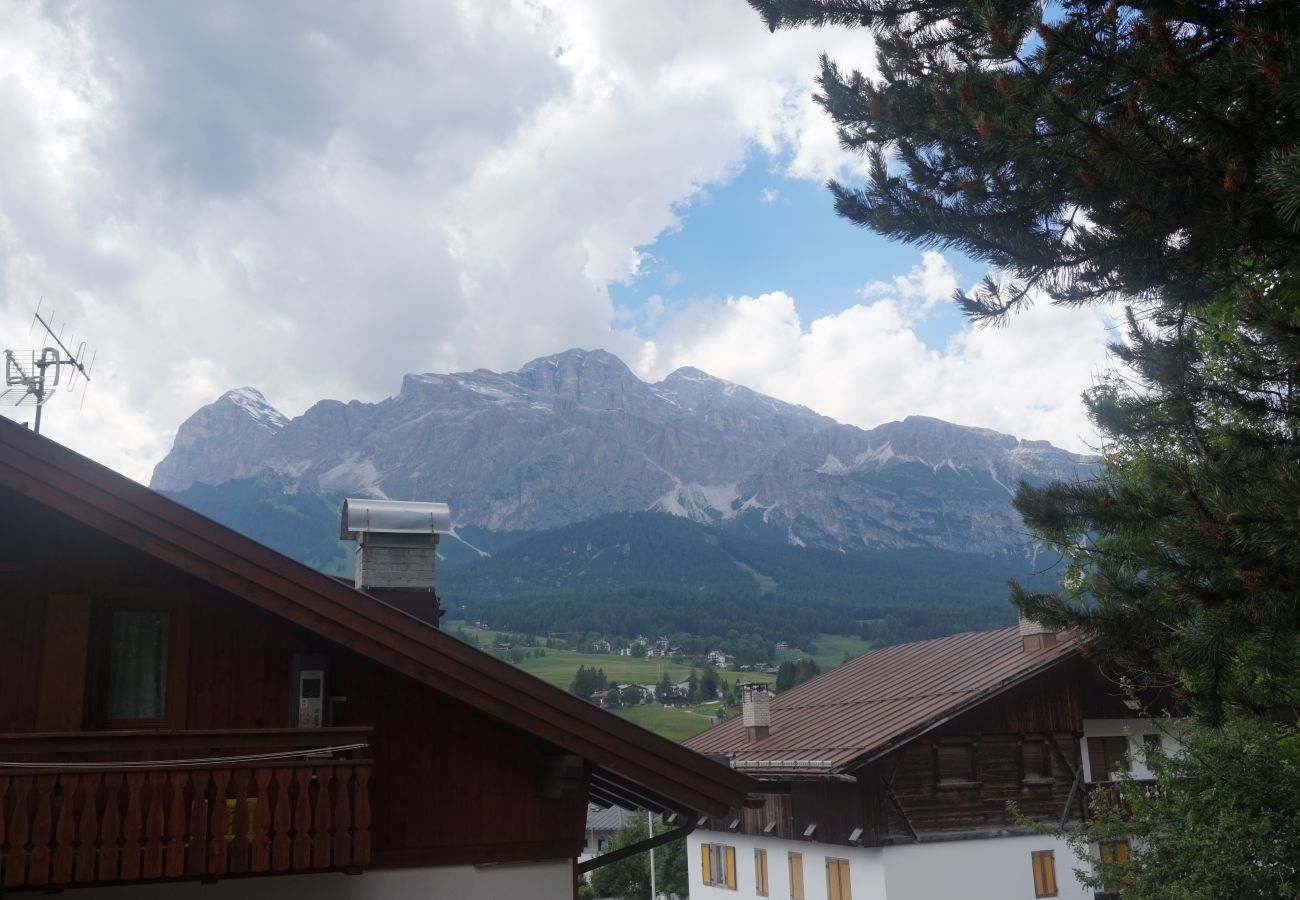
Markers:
{"x": 320, "y": 850}
{"x": 65, "y": 830}
{"x": 281, "y": 820}
{"x": 302, "y": 819}
{"x": 218, "y": 823}
{"x": 38, "y": 863}
{"x": 175, "y": 866}
{"x": 343, "y": 819}
{"x": 196, "y": 854}
{"x": 132, "y": 825}
{"x": 361, "y": 819}
{"x": 19, "y": 829}
{"x": 87, "y": 827}
{"x": 110, "y": 828}
{"x": 5, "y": 781}
{"x": 239, "y": 842}
{"x": 261, "y": 855}
{"x": 155, "y": 820}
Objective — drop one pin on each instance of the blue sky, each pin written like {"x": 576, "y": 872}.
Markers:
{"x": 764, "y": 230}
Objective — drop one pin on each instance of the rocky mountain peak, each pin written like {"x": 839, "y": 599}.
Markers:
{"x": 576, "y": 435}
{"x": 592, "y": 378}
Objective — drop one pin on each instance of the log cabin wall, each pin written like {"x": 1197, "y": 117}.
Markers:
{"x": 450, "y": 785}
{"x": 1021, "y": 746}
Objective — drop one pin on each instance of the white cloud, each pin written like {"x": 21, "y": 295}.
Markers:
{"x": 769, "y": 195}
{"x": 314, "y": 197}
{"x": 931, "y": 282}
{"x": 867, "y": 365}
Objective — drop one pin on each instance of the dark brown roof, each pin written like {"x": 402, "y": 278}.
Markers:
{"x": 879, "y": 700}
{"x": 630, "y": 764}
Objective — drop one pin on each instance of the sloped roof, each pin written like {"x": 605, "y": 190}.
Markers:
{"x": 630, "y": 765}
{"x": 879, "y": 700}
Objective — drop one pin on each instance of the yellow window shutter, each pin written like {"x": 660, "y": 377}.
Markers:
{"x": 731, "y": 867}
{"x": 705, "y": 874}
{"x": 796, "y": 876}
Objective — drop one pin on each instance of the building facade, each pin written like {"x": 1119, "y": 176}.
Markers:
{"x": 914, "y": 773}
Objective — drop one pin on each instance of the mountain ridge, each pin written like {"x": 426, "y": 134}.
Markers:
{"x": 576, "y": 435}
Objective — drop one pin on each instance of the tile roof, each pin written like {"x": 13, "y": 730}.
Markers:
{"x": 880, "y": 699}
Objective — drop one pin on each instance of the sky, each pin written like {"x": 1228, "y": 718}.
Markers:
{"x": 313, "y": 198}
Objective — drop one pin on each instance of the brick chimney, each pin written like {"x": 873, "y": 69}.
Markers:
{"x": 397, "y": 546}
{"x": 756, "y": 710}
{"x": 1034, "y": 636}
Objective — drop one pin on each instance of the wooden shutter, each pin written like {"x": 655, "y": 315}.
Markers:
{"x": 1044, "y": 863}
{"x": 838, "y": 886}
{"x": 1113, "y": 852}
{"x": 1107, "y": 755}
{"x": 706, "y": 873}
{"x": 956, "y": 763}
{"x": 731, "y": 867}
{"x": 760, "y": 872}
{"x": 796, "y": 876}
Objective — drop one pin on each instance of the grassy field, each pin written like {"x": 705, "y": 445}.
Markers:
{"x": 671, "y": 722}
{"x": 559, "y": 666}
{"x": 830, "y": 650}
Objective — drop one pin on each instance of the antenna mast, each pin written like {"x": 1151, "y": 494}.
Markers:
{"x": 31, "y": 377}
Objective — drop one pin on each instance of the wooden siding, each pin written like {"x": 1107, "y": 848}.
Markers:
{"x": 449, "y": 784}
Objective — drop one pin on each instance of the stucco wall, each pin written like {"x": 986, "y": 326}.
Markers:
{"x": 990, "y": 869}
{"x": 541, "y": 880}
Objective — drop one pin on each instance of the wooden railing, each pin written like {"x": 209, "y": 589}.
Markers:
{"x": 183, "y": 818}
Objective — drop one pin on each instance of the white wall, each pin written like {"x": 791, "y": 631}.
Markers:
{"x": 988, "y": 869}
{"x": 866, "y": 867}
{"x": 1134, "y": 729}
{"x": 523, "y": 881}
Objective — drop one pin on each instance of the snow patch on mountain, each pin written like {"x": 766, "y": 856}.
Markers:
{"x": 251, "y": 401}
{"x": 354, "y": 476}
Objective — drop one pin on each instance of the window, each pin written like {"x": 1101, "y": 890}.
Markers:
{"x": 837, "y": 880}
{"x": 1036, "y": 761}
{"x": 718, "y": 865}
{"x": 760, "y": 872}
{"x": 1115, "y": 852}
{"x": 1107, "y": 755}
{"x": 1044, "y": 863}
{"x": 138, "y": 648}
{"x": 954, "y": 763}
{"x": 796, "y": 876}
{"x": 140, "y": 651}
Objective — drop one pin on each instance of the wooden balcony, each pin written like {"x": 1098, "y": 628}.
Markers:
{"x": 113, "y": 807}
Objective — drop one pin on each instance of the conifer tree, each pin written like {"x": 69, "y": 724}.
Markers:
{"x": 1090, "y": 149}
{"x": 1145, "y": 152}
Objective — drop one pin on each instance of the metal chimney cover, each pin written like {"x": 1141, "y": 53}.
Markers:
{"x": 393, "y": 517}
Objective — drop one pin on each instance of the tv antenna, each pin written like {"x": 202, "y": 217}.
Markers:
{"x": 32, "y": 377}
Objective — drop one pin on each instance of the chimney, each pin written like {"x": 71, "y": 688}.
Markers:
{"x": 756, "y": 710}
{"x": 397, "y": 545}
{"x": 1034, "y": 636}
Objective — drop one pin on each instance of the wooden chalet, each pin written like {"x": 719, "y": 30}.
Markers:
{"x": 890, "y": 776}
{"x": 181, "y": 704}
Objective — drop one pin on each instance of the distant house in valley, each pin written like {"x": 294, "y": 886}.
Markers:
{"x": 179, "y": 703}
{"x": 888, "y": 777}
{"x": 720, "y": 660}
{"x": 600, "y": 646}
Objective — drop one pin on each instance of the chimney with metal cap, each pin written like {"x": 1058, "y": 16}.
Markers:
{"x": 1034, "y": 636}
{"x": 397, "y": 546}
{"x": 756, "y": 710}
